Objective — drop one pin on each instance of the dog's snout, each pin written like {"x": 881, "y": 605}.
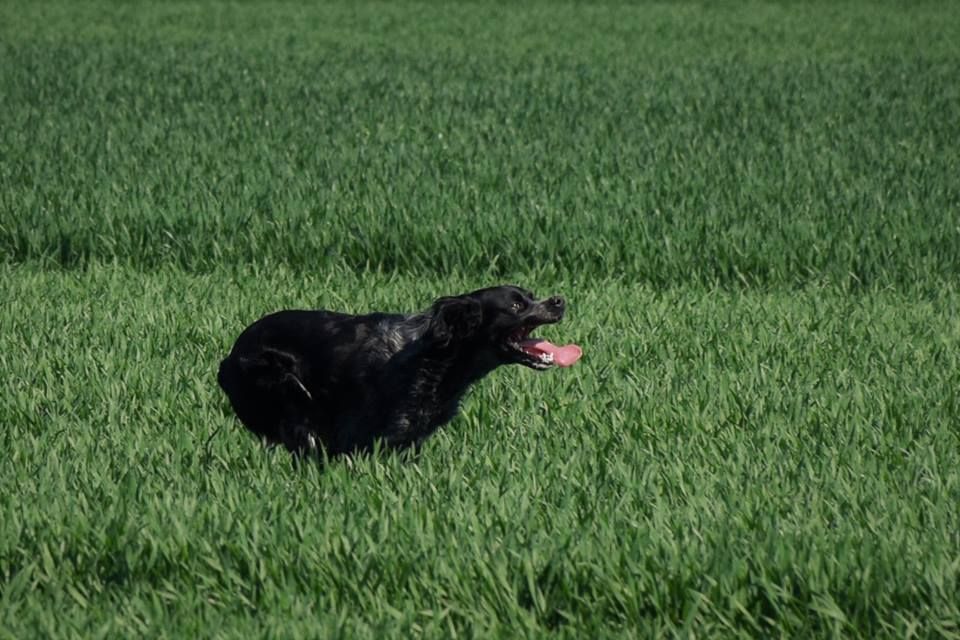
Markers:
{"x": 556, "y": 302}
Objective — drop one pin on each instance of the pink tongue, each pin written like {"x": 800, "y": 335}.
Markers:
{"x": 562, "y": 356}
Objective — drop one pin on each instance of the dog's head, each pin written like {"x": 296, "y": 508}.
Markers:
{"x": 499, "y": 321}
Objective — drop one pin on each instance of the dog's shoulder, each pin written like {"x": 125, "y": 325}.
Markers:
{"x": 390, "y": 334}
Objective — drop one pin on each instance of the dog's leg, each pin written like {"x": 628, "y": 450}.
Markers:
{"x": 292, "y": 378}
{"x": 300, "y": 438}
{"x": 282, "y": 369}
{"x": 297, "y": 425}
{"x": 268, "y": 391}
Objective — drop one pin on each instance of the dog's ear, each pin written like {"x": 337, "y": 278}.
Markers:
{"x": 454, "y": 319}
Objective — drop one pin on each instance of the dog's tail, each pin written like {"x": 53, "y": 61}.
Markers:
{"x": 227, "y": 375}
{"x": 234, "y": 377}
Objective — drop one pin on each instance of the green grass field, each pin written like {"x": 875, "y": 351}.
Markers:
{"x": 752, "y": 208}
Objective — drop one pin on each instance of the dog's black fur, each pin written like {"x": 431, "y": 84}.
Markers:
{"x": 320, "y": 379}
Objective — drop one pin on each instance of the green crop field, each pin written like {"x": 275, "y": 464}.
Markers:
{"x": 753, "y": 209}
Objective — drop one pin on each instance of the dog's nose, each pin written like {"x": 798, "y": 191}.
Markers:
{"x": 556, "y": 302}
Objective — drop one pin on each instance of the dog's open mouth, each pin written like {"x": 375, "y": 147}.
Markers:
{"x": 538, "y": 353}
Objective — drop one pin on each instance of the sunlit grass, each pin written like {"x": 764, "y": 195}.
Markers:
{"x": 775, "y": 462}
{"x": 752, "y": 210}
{"x": 666, "y": 143}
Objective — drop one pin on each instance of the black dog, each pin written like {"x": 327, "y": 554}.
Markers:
{"x": 311, "y": 379}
